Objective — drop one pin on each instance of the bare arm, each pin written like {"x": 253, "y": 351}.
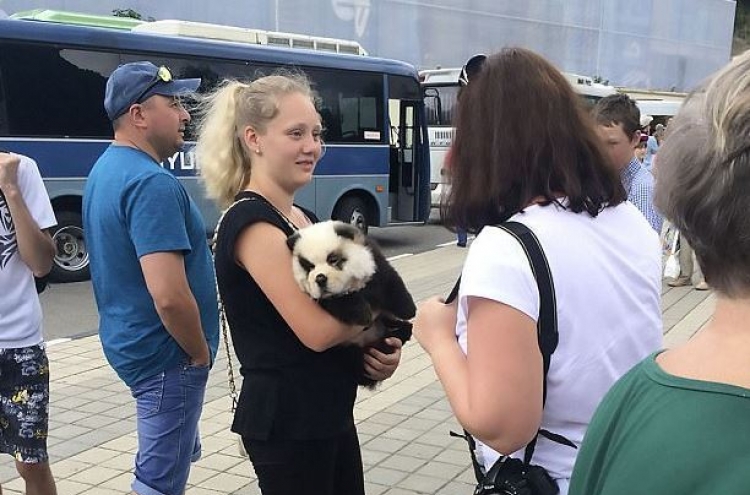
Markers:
{"x": 35, "y": 246}
{"x": 495, "y": 390}
{"x": 174, "y": 301}
{"x": 262, "y": 250}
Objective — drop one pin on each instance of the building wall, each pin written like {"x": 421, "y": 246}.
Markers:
{"x": 660, "y": 44}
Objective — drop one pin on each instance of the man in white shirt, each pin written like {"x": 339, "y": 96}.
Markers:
{"x": 26, "y": 250}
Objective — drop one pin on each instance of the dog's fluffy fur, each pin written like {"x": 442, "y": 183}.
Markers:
{"x": 346, "y": 273}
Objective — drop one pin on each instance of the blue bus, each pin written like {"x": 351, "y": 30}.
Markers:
{"x": 52, "y": 76}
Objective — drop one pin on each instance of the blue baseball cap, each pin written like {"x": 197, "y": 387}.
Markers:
{"x": 137, "y": 81}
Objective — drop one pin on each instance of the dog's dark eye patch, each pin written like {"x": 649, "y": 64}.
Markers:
{"x": 305, "y": 264}
{"x": 336, "y": 260}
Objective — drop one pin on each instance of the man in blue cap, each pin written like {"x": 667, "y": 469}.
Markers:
{"x": 152, "y": 272}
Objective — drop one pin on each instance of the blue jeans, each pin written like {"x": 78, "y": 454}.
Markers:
{"x": 168, "y": 408}
{"x": 462, "y": 236}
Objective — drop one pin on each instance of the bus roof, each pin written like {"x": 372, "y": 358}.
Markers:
{"x": 657, "y": 108}
{"x": 247, "y": 35}
{"x": 77, "y": 18}
{"x": 125, "y": 42}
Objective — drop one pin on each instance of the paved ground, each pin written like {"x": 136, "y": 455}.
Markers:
{"x": 403, "y": 426}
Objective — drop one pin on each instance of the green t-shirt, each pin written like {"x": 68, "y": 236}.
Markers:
{"x": 658, "y": 434}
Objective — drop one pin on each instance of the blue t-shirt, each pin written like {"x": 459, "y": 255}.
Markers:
{"x": 133, "y": 207}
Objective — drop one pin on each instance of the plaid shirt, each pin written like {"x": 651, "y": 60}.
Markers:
{"x": 639, "y": 184}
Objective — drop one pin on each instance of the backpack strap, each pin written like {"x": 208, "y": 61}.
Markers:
{"x": 546, "y": 326}
{"x": 547, "y": 333}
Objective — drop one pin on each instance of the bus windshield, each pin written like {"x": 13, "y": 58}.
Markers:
{"x": 440, "y": 102}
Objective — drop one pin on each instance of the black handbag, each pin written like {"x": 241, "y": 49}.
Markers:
{"x": 511, "y": 476}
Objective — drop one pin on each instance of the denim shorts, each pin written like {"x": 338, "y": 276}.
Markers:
{"x": 24, "y": 403}
{"x": 168, "y": 407}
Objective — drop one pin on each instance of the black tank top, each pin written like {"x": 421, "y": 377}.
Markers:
{"x": 288, "y": 391}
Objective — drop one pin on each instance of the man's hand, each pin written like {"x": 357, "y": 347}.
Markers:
{"x": 9, "y": 172}
{"x": 204, "y": 359}
{"x": 167, "y": 283}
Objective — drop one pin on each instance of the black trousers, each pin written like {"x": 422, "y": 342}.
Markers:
{"x": 332, "y": 466}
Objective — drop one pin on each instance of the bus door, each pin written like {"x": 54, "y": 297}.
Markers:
{"x": 408, "y": 177}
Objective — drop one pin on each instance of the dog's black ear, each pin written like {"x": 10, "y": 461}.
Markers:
{"x": 347, "y": 231}
{"x": 292, "y": 240}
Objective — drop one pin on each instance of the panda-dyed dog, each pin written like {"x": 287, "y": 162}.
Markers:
{"x": 347, "y": 274}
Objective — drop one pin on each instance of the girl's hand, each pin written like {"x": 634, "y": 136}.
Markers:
{"x": 379, "y": 365}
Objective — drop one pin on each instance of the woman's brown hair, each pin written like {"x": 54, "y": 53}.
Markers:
{"x": 521, "y": 134}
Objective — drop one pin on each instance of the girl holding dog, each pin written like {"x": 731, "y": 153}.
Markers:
{"x": 259, "y": 143}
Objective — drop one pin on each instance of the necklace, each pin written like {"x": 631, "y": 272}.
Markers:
{"x": 278, "y": 212}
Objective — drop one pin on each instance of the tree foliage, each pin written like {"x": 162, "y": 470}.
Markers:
{"x": 741, "y": 40}
{"x": 133, "y": 14}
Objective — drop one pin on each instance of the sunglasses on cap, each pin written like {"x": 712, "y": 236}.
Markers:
{"x": 163, "y": 75}
{"x": 471, "y": 68}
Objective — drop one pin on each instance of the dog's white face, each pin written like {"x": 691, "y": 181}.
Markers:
{"x": 330, "y": 258}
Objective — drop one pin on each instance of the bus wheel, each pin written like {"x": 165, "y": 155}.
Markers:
{"x": 354, "y": 211}
{"x": 71, "y": 262}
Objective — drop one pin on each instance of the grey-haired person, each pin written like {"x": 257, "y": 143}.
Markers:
{"x": 679, "y": 422}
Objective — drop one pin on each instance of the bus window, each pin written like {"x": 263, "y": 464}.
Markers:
{"x": 3, "y": 111}
{"x": 440, "y": 103}
{"x": 73, "y": 108}
{"x": 211, "y": 74}
{"x": 351, "y": 105}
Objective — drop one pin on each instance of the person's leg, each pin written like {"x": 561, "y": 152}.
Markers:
{"x": 168, "y": 408}
{"x": 38, "y": 478}
{"x": 350, "y": 479}
{"x": 702, "y": 285}
{"x": 461, "y": 237}
{"x": 685, "y": 257}
{"x": 288, "y": 467}
{"x": 25, "y": 377}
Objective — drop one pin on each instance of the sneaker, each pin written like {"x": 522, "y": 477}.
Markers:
{"x": 702, "y": 286}
{"x": 680, "y": 282}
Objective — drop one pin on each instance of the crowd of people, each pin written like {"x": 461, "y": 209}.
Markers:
{"x": 609, "y": 413}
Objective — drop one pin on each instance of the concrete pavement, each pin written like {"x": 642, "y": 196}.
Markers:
{"x": 403, "y": 426}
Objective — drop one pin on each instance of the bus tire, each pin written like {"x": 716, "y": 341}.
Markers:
{"x": 353, "y": 210}
{"x": 71, "y": 263}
